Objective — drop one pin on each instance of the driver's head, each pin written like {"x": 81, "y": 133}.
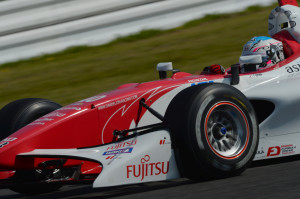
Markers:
{"x": 261, "y": 52}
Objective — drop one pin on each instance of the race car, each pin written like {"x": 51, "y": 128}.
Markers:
{"x": 206, "y": 126}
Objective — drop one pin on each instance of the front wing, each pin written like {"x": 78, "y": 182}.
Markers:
{"x": 143, "y": 158}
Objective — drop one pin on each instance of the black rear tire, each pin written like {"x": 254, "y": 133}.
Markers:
{"x": 13, "y": 117}
{"x": 214, "y": 131}
{"x": 19, "y": 113}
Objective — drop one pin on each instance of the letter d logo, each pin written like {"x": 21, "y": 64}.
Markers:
{"x": 273, "y": 151}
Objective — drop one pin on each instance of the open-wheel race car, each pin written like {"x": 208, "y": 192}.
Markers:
{"x": 206, "y": 126}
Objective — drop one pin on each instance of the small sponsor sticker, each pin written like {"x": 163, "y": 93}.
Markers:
{"x": 197, "y": 80}
{"x": 70, "y": 108}
{"x": 198, "y": 83}
{"x": 164, "y": 142}
{"x": 283, "y": 149}
{"x": 6, "y": 141}
{"x": 56, "y": 114}
{"x": 3, "y": 144}
{"x": 92, "y": 99}
{"x": 122, "y": 145}
{"x": 10, "y": 139}
{"x": 44, "y": 120}
{"x": 119, "y": 151}
{"x": 121, "y": 101}
{"x": 255, "y": 75}
{"x": 260, "y": 151}
{"x": 110, "y": 157}
{"x": 288, "y": 149}
{"x": 36, "y": 123}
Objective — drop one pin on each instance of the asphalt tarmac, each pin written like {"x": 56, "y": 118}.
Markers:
{"x": 275, "y": 179}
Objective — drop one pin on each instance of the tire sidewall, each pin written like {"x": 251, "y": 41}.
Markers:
{"x": 13, "y": 117}
{"x": 19, "y": 113}
{"x": 198, "y": 111}
{"x": 33, "y": 111}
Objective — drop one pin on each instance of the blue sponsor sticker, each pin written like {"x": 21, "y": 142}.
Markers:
{"x": 198, "y": 83}
{"x": 119, "y": 151}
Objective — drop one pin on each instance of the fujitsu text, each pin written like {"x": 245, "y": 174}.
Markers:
{"x": 147, "y": 168}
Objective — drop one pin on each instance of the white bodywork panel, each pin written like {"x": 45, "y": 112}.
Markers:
{"x": 280, "y": 132}
{"x": 140, "y": 159}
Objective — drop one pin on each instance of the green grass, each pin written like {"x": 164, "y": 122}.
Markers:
{"x": 82, "y": 72}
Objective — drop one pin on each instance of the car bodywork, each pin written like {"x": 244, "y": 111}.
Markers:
{"x": 120, "y": 137}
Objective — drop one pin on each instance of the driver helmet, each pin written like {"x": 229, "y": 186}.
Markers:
{"x": 261, "y": 52}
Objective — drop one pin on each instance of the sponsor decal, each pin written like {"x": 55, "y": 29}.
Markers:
{"x": 288, "y": 149}
{"x": 163, "y": 142}
{"x": 260, "y": 152}
{"x": 119, "y": 151}
{"x": 92, "y": 99}
{"x": 112, "y": 157}
{"x": 293, "y": 69}
{"x": 255, "y": 75}
{"x": 122, "y": 145}
{"x": 11, "y": 139}
{"x": 198, "y": 83}
{"x": 121, "y": 101}
{"x": 197, "y": 80}
{"x": 283, "y": 149}
{"x": 44, "y": 120}
{"x": 6, "y": 141}
{"x": 56, "y": 114}
{"x": 70, "y": 108}
{"x": 147, "y": 168}
{"x": 273, "y": 151}
{"x": 3, "y": 144}
{"x": 36, "y": 123}
{"x": 293, "y": 75}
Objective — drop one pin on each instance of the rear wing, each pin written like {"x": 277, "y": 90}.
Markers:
{"x": 288, "y": 2}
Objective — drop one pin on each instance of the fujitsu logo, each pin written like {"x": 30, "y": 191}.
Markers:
{"x": 147, "y": 168}
{"x": 122, "y": 145}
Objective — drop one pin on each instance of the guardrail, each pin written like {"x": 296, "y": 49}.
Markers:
{"x": 31, "y": 28}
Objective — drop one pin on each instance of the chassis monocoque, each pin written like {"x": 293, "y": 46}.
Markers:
{"x": 198, "y": 126}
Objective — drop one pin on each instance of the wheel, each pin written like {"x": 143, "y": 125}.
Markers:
{"x": 214, "y": 131}
{"x": 19, "y": 113}
{"x": 13, "y": 117}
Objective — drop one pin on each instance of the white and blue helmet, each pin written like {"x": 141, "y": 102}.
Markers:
{"x": 261, "y": 51}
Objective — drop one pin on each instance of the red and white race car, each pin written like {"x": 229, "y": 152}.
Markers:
{"x": 197, "y": 126}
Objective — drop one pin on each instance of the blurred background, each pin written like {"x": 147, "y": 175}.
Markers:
{"x": 67, "y": 50}
{"x": 32, "y": 27}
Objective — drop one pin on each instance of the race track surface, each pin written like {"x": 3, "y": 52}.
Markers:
{"x": 280, "y": 179}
